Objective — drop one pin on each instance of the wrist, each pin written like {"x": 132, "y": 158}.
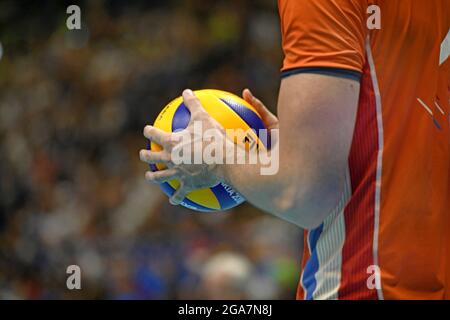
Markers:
{"x": 222, "y": 169}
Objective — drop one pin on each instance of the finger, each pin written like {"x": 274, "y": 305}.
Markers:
{"x": 179, "y": 195}
{"x": 268, "y": 117}
{"x": 161, "y": 176}
{"x": 153, "y": 157}
{"x": 247, "y": 95}
{"x": 157, "y": 135}
{"x": 255, "y": 102}
{"x": 192, "y": 102}
{"x": 250, "y": 98}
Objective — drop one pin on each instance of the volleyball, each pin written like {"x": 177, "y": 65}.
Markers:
{"x": 232, "y": 112}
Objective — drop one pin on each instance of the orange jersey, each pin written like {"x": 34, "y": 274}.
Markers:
{"x": 395, "y": 213}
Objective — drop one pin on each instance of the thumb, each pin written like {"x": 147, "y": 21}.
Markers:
{"x": 179, "y": 194}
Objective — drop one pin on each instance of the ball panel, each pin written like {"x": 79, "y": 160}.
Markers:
{"x": 225, "y": 115}
{"x": 169, "y": 190}
{"x": 251, "y": 118}
{"x": 227, "y": 198}
{"x": 227, "y": 95}
{"x": 221, "y": 112}
{"x": 204, "y": 197}
{"x": 153, "y": 167}
{"x": 181, "y": 118}
{"x": 165, "y": 119}
{"x": 255, "y": 124}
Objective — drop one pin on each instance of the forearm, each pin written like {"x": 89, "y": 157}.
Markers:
{"x": 267, "y": 192}
{"x": 259, "y": 189}
{"x": 315, "y": 133}
{"x": 291, "y": 193}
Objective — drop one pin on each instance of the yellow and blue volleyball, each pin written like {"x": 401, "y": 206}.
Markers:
{"x": 232, "y": 112}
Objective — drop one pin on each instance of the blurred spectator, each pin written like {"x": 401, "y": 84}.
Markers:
{"x": 72, "y": 108}
{"x": 226, "y": 276}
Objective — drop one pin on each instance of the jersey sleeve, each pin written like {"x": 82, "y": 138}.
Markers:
{"x": 323, "y": 35}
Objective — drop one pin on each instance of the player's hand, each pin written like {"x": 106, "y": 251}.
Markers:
{"x": 193, "y": 176}
{"x": 190, "y": 176}
{"x": 269, "y": 119}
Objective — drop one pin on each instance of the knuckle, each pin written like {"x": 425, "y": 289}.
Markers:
{"x": 167, "y": 140}
{"x": 149, "y": 176}
{"x": 171, "y": 142}
{"x": 191, "y": 99}
{"x": 175, "y": 144}
{"x": 148, "y": 156}
{"x": 154, "y": 177}
{"x": 153, "y": 157}
{"x": 159, "y": 177}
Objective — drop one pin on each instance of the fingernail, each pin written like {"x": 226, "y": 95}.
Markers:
{"x": 147, "y": 127}
{"x": 188, "y": 92}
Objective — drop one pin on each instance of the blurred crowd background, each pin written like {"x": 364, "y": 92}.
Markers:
{"x": 72, "y": 108}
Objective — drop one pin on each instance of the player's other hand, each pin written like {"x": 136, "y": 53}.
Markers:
{"x": 269, "y": 119}
{"x": 191, "y": 176}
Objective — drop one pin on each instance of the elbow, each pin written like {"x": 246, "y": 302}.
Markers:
{"x": 302, "y": 215}
{"x": 308, "y": 207}
{"x": 307, "y": 220}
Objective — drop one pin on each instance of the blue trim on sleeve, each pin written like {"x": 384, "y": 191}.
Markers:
{"x": 343, "y": 73}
